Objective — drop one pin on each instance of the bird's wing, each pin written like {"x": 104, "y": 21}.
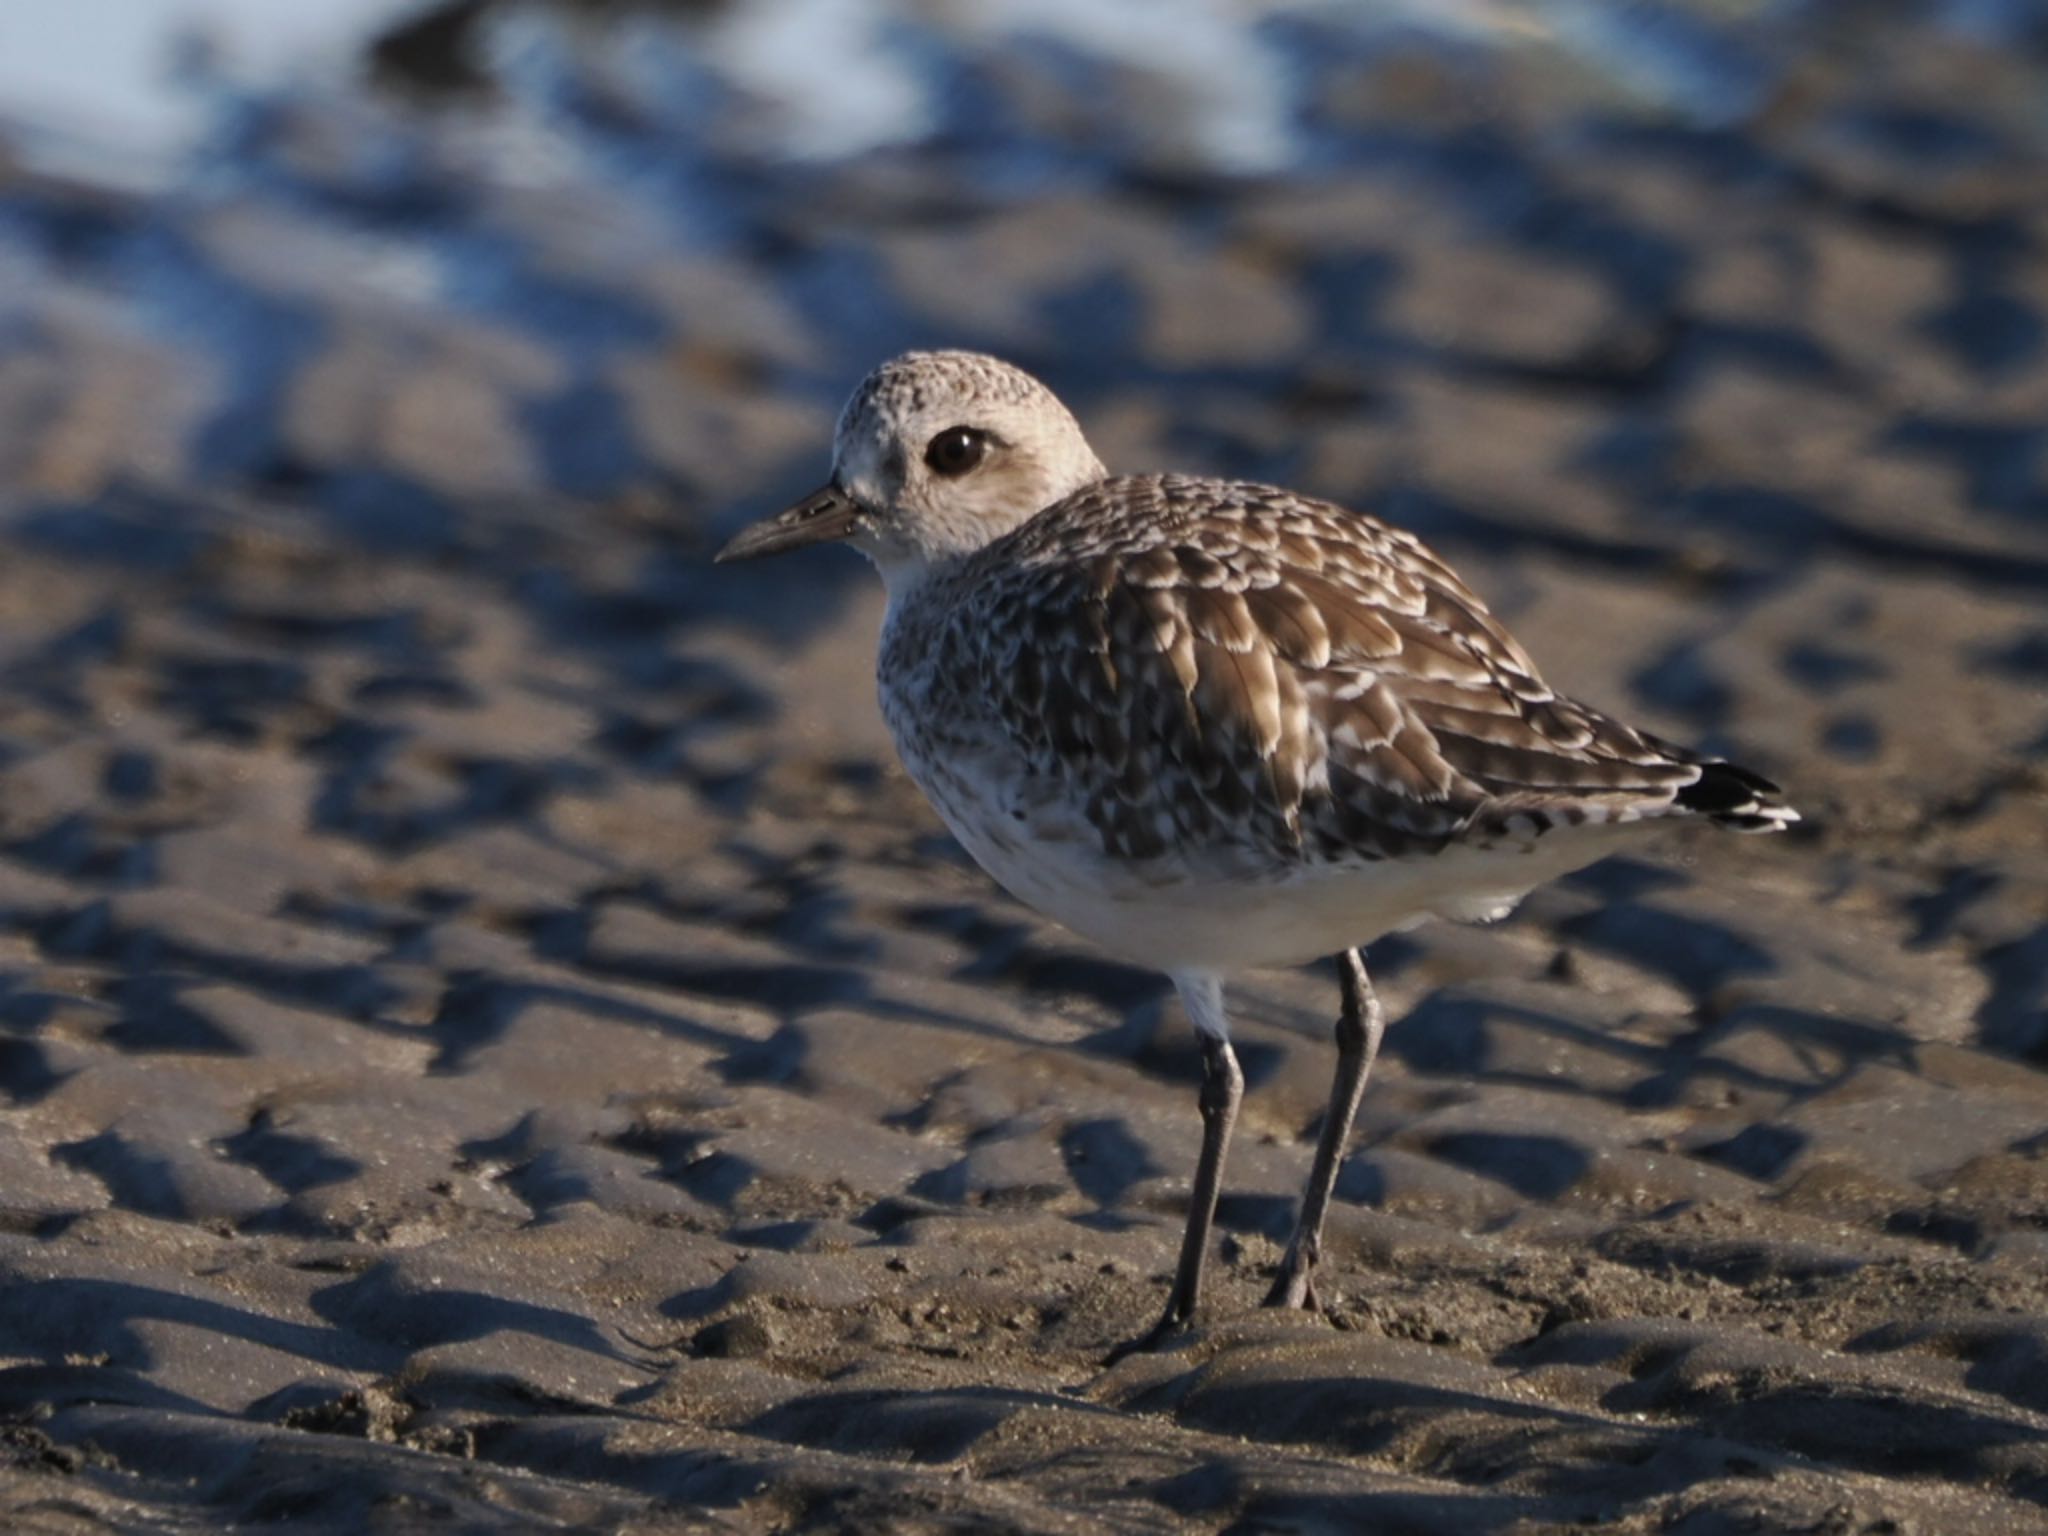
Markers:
{"x": 1214, "y": 666}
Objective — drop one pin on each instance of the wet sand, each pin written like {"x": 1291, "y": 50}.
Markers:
{"x": 492, "y": 1041}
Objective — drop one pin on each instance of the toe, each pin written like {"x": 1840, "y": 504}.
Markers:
{"x": 1167, "y": 1331}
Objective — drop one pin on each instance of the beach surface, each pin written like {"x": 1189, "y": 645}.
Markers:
{"x": 491, "y": 1040}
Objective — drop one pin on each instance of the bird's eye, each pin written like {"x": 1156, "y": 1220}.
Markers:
{"x": 955, "y": 451}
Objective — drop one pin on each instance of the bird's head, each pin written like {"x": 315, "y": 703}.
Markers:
{"x": 937, "y": 454}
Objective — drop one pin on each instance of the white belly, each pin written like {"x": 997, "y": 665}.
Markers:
{"x": 1177, "y": 915}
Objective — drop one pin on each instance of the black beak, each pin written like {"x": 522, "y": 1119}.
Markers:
{"x": 824, "y": 515}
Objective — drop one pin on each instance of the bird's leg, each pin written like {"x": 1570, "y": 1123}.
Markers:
{"x": 1222, "y": 1091}
{"x": 1359, "y": 1028}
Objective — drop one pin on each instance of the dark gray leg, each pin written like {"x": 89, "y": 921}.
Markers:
{"x": 1222, "y": 1091}
{"x": 1359, "y": 1028}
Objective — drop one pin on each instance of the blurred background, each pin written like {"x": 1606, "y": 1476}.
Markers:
{"x": 1761, "y": 280}
{"x": 449, "y": 931}
{"x": 1741, "y": 291}
{"x": 1740, "y": 285}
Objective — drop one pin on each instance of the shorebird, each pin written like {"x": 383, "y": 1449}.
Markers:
{"x": 1213, "y": 725}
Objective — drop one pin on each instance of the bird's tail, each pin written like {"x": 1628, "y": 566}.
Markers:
{"x": 1735, "y": 797}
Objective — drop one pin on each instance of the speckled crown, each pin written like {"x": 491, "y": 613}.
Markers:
{"x": 911, "y": 381}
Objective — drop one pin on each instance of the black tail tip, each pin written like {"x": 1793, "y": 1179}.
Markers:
{"x": 1736, "y": 797}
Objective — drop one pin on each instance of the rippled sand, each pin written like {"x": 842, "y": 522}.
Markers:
{"x": 492, "y": 1041}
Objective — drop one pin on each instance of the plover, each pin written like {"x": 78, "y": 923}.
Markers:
{"x": 1213, "y": 725}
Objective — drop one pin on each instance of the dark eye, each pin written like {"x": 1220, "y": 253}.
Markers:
{"x": 956, "y": 450}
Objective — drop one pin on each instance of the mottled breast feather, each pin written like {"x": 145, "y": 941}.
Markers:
{"x": 1234, "y": 672}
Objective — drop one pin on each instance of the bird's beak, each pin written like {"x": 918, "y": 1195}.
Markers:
{"x": 826, "y": 514}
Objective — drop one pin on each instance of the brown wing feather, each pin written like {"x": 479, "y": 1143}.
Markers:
{"x": 1224, "y": 666}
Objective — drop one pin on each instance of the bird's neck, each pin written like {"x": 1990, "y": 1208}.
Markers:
{"x": 910, "y": 579}
{"x": 903, "y": 574}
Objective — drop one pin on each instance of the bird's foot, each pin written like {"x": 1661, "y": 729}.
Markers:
{"x": 1169, "y": 1330}
{"x": 1294, "y": 1288}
